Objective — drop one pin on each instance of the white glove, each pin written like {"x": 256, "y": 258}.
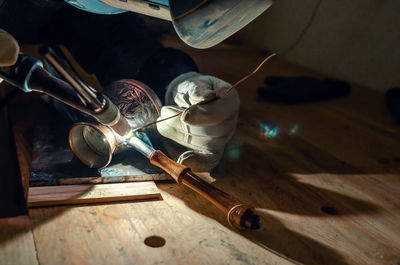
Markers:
{"x": 9, "y": 49}
{"x": 204, "y": 128}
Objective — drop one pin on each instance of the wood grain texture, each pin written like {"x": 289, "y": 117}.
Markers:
{"x": 83, "y": 194}
{"x": 115, "y": 234}
{"x": 327, "y": 194}
{"x": 16, "y": 241}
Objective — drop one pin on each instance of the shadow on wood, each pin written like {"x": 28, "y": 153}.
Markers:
{"x": 276, "y": 237}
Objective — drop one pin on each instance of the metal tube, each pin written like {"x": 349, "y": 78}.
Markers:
{"x": 81, "y": 88}
{"x": 141, "y": 146}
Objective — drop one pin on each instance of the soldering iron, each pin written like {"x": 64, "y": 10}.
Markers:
{"x": 29, "y": 75}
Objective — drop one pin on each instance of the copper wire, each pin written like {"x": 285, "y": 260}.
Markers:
{"x": 219, "y": 97}
{"x": 247, "y": 76}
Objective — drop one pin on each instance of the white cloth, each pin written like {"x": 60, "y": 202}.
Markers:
{"x": 9, "y": 49}
{"x": 204, "y": 128}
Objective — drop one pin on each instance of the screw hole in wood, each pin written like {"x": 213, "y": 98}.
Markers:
{"x": 154, "y": 241}
{"x": 329, "y": 210}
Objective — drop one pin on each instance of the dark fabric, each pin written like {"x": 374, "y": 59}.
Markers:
{"x": 301, "y": 89}
{"x": 111, "y": 46}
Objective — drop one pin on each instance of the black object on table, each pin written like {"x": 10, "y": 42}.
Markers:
{"x": 393, "y": 101}
{"x": 302, "y": 89}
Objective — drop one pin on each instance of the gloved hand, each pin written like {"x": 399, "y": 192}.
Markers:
{"x": 204, "y": 128}
{"x": 9, "y": 49}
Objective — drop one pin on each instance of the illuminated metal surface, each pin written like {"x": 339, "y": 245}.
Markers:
{"x": 141, "y": 146}
{"x": 95, "y": 144}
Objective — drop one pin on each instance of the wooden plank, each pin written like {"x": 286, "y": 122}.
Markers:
{"x": 16, "y": 241}
{"x": 115, "y": 234}
{"x": 83, "y": 194}
{"x": 344, "y": 156}
{"x": 290, "y": 190}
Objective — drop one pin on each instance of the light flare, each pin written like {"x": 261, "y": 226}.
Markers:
{"x": 271, "y": 130}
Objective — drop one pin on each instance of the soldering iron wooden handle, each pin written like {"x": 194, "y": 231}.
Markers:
{"x": 175, "y": 170}
{"x": 239, "y": 214}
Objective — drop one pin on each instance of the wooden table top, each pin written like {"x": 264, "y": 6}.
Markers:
{"x": 327, "y": 192}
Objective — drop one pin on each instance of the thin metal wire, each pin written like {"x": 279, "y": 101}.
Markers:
{"x": 248, "y": 76}
{"x": 219, "y": 97}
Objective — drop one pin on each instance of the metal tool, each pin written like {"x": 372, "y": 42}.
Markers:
{"x": 94, "y": 145}
{"x": 199, "y": 23}
{"x": 29, "y": 75}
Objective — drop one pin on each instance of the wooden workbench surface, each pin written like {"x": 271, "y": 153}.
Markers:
{"x": 327, "y": 193}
